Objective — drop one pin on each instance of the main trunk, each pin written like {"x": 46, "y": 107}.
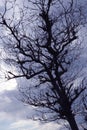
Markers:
{"x": 72, "y": 122}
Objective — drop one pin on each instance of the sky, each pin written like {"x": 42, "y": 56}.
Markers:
{"x": 13, "y": 113}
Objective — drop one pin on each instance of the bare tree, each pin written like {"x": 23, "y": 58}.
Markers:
{"x": 84, "y": 112}
{"x": 41, "y": 44}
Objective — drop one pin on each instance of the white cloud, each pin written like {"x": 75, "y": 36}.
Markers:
{"x": 14, "y": 111}
{"x": 8, "y": 85}
{"x": 19, "y": 124}
{"x": 32, "y": 125}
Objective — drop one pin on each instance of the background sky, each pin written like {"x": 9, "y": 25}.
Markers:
{"x": 13, "y": 113}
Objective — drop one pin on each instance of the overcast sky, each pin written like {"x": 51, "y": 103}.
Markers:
{"x": 13, "y": 113}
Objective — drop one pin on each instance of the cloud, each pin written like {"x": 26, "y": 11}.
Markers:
{"x": 20, "y": 124}
{"x": 12, "y": 106}
{"x": 14, "y": 113}
{"x": 31, "y": 125}
{"x": 24, "y": 124}
{"x": 7, "y": 85}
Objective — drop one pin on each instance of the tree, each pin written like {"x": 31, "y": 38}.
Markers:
{"x": 84, "y": 112}
{"x": 41, "y": 44}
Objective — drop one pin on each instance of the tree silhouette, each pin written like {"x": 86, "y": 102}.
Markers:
{"x": 41, "y": 44}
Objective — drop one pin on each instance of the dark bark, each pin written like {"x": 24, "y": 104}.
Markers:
{"x": 72, "y": 122}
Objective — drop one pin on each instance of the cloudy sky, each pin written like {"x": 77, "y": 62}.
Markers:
{"x": 13, "y": 113}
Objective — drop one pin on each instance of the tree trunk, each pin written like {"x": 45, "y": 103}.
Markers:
{"x": 72, "y": 122}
